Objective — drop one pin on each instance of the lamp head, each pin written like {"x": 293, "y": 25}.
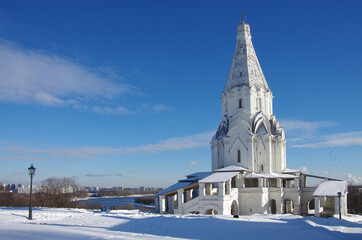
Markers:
{"x": 31, "y": 170}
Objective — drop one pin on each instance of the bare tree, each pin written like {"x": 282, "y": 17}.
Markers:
{"x": 56, "y": 185}
{"x": 59, "y": 192}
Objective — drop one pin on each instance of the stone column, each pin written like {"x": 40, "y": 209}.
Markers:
{"x": 162, "y": 203}
{"x": 297, "y": 207}
{"x": 180, "y": 194}
{"x": 269, "y": 155}
{"x": 279, "y": 207}
{"x": 302, "y": 181}
{"x": 317, "y": 207}
{"x": 221, "y": 186}
{"x": 241, "y": 181}
{"x": 344, "y": 204}
{"x": 188, "y": 195}
{"x": 336, "y": 205}
{"x": 297, "y": 182}
{"x": 228, "y": 182}
{"x": 202, "y": 189}
{"x": 208, "y": 188}
{"x": 260, "y": 182}
{"x": 251, "y": 152}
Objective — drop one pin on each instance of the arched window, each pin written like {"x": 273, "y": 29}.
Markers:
{"x": 240, "y": 103}
{"x": 258, "y": 103}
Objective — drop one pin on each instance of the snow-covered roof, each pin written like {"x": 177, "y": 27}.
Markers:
{"x": 331, "y": 189}
{"x": 232, "y": 168}
{"x": 174, "y": 187}
{"x": 199, "y": 175}
{"x": 289, "y": 170}
{"x": 195, "y": 176}
{"x": 270, "y": 175}
{"x": 218, "y": 177}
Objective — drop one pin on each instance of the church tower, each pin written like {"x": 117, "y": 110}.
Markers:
{"x": 249, "y": 135}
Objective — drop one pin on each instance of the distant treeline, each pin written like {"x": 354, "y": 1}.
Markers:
{"x": 122, "y": 193}
{"x": 57, "y": 200}
{"x": 354, "y": 199}
{"x": 145, "y": 200}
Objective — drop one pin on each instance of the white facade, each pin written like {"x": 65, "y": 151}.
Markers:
{"x": 249, "y": 134}
{"x": 249, "y": 173}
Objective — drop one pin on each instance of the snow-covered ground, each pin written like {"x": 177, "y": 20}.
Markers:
{"x": 51, "y": 223}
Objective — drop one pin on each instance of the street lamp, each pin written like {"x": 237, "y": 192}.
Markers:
{"x": 31, "y": 173}
{"x": 339, "y": 204}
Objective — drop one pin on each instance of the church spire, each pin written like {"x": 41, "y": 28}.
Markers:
{"x": 245, "y": 69}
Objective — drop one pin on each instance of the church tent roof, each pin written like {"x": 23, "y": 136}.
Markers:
{"x": 331, "y": 189}
{"x": 245, "y": 69}
{"x": 218, "y": 177}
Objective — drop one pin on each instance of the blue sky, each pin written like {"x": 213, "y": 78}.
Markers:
{"x": 126, "y": 93}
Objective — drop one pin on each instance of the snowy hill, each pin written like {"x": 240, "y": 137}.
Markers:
{"x": 51, "y": 223}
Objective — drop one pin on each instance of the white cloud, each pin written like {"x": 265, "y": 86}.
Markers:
{"x": 31, "y": 77}
{"x": 355, "y": 180}
{"x": 161, "y": 108}
{"x": 290, "y": 125}
{"x": 172, "y": 144}
{"x": 103, "y": 175}
{"x": 125, "y": 111}
{"x": 20, "y": 158}
{"x": 112, "y": 110}
{"x": 304, "y": 169}
{"x": 304, "y": 134}
{"x": 193, "y": 163}
{"x": 298, "y": 130}
{"x": 334, "y": 140}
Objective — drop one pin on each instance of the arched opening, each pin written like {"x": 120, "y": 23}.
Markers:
{"x": 211, "y": 212}
{"x": 329, "y": 208}
{"x": 273, "y": 206}
{"x": 234, "y": 208}
{"x": 288, "y": 206}
{"x": 311, "y": 207}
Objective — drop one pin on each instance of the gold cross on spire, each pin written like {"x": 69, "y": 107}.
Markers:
{"x": 242, "y": 16}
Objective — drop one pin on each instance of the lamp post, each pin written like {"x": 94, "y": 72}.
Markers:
{"x": 339, "y": 204}
{"x": 31, "y": 170}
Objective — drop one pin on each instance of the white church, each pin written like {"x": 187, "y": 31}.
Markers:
{"x": 249, "y": 172}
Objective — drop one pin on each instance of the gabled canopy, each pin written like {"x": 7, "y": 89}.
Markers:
{"x": 331, "y": 189}
{"x": 218, "y": 177}
{"x": 232, "y": 168}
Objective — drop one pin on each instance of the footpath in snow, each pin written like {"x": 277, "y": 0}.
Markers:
{"x": 51, "y": 223}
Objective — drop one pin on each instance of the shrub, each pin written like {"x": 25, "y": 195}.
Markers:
{"x": 145, "y": 200}
{"x": 126, "y": 206}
